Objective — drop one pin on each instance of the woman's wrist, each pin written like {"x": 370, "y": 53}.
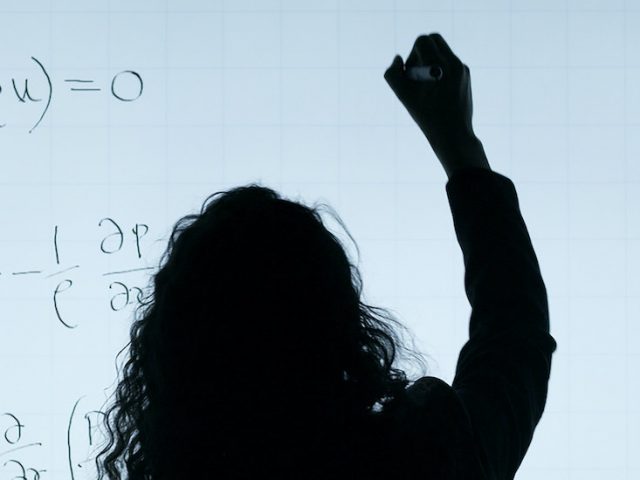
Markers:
{"x": 466, "y": 154}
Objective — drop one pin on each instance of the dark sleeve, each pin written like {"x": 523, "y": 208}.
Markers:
{"x": 503, "y": 369}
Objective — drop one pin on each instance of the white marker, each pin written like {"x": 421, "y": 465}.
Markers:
{"x": 426, "y": 73}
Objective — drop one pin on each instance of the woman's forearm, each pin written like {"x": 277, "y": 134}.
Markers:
{"x": 466, "y": 153}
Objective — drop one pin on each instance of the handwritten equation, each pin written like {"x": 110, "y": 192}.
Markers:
{"x": 110, "y": 244}
{"x": 76, "y": 85}
{"x": 20, "y": 450}
{"x": 13, "y": 444}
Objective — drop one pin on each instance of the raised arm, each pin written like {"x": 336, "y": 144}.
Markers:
{"x": 503, "y": 369}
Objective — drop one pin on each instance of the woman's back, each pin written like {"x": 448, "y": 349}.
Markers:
{"x": 423, "y": 434}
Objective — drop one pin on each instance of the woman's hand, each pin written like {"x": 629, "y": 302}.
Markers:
{"x": 441, "y": 108}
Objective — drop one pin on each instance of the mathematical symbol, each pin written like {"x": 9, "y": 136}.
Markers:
{"x": 82, "y": 89}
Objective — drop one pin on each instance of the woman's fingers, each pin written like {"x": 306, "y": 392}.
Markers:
{"x": 395, "y": 75}
{"x": 424, "y": 52}
{"x": 450, "y": 59}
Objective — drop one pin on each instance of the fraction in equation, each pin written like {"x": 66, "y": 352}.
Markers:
{"x": 112, "y": 243}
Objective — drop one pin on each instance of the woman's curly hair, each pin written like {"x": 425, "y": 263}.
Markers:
{"x": 255, "y": 335}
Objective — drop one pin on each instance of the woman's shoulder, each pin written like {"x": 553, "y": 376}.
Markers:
{"x": 430, "y": 426}
{"x": 426, "y": 400}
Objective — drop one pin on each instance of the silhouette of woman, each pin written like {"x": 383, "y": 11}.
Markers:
{"x": 257, "y": 358}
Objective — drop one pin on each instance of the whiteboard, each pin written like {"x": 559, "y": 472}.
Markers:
{"x": 119, "y": 117}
